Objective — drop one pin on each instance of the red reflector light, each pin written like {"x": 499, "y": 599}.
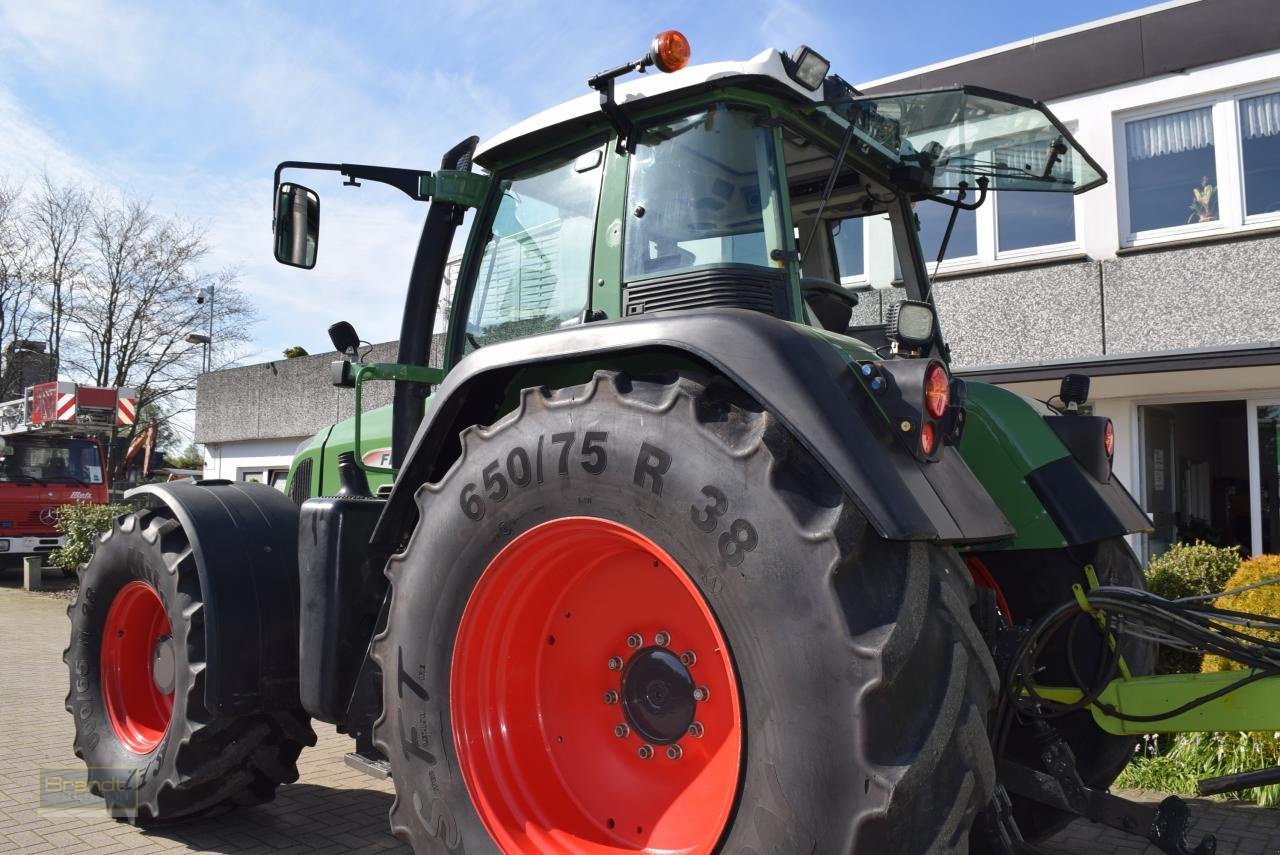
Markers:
{"x": 928, "y": 438}
{"x": 937, "y": 390}
{"x": 670, "y": 50}
{"x": 1109, "y": 440}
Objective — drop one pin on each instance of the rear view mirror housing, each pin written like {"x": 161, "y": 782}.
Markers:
{"x": 296, "y": 225}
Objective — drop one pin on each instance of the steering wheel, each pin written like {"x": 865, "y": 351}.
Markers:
{"x": 829, "y": 302}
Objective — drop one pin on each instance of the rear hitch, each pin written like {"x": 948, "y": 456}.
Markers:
{"x": 1165, "y": 825}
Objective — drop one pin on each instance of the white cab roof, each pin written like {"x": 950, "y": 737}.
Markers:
{"x": 640, "y": 86}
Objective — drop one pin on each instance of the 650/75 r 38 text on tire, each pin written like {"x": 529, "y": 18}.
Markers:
{"x": 637, "y": 616}
{"x": 136, "y": 662}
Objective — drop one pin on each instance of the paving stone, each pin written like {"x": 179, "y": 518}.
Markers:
{"x": 332, "y": 808}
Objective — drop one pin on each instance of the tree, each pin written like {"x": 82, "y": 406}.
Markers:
{"x": 19, "y": 312}
{"x": 56, "y": 220}
{"x": 295, "y": 351}
{"x": 137, "y": 303}
{"x": 191, "y": 458}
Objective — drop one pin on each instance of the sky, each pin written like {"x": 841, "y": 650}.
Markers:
{"x": 190, "y": 105}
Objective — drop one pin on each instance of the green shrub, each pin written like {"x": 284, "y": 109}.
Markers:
{"x": 1194, "y": 756}
{"x": 1192, "y": 570}
{"x": 81, "y": 523}
{"x": 1261, "y": 601}
{"x": 1189, "y": 570}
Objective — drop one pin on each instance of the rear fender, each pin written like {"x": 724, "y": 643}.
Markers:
{"x": 806, "y": 381}
{"x": 245, "y": 541}
{"x": 1050, "y": 496}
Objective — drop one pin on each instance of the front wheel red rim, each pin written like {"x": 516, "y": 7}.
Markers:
{"x": 595, "y": 705}
{"x": 135, "y": 636}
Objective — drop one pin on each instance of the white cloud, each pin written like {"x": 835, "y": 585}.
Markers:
{"x": 104, "y": 39}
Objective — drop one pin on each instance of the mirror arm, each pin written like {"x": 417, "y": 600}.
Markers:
{"x": 408, "y": 181}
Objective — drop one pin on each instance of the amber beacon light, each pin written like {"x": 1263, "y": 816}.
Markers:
{"x": 669, "y": 51}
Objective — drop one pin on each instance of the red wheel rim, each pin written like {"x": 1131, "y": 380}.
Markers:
{"x": 139, "y": 712}
{"x": 567, "y": 613}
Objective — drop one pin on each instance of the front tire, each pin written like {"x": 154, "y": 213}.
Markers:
{"x": 838, "y": 681}
{"x": 136, "y": 662}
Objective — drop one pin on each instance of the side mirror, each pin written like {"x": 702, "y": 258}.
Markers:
{"x": 297, "y": 225}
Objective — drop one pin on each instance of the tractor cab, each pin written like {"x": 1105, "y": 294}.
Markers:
{"x": 727, "y": 193}
{"x": 716, "y": 186}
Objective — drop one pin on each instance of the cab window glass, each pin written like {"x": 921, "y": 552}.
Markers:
{"x": 535, "y": 272}
{"x": 695, "y": 194}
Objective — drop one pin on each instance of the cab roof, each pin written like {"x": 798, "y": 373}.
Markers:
{"x": 767, "y": 64}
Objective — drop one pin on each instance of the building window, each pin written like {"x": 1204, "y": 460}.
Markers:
{"x": 1260, "y": 153}
{"x": 850, "y": 243}
{"x": 1026, "y": 220}
{"x": 1172, "y": 177}
{"x": 933, "y": 218}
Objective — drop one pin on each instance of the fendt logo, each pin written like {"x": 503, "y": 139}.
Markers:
{"x": 378, "y": 457}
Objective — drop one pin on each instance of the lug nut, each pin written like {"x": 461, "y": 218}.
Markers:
{"x": 674, "y": 752}
{"x": 701, "y": 693}
{"x": 688, "y": 659}
{"x": 610, "y": 697}
{"x": 615, "y": 663}
{"x": 621, "y": 731}
{"x": 695, "y": 730}
{"x": 646, "y": 751}
{"x": 634, "y": 640}
{"x": 662, "y": 639}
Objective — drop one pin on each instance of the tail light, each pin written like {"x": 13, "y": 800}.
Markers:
{"x": 928, "y": 439}
{"x": 922, "y": 401}
{"x": 937, "y": 390}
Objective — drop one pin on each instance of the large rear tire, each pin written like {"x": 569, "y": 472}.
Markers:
{"x": 136, "y": 662}
{"x": 637, "y": 616}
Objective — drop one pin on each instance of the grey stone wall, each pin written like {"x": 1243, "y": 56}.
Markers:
{"x": 284, "y": 397}
{"x": 1205, "y": 296}
{"x": 1022, "y": 315}
{"x": 1208, "y": 295}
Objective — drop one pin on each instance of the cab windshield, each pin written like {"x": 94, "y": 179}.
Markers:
{"x": 30, "y": 459}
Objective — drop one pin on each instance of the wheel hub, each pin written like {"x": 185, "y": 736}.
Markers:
{"x": 163, "y": 665}
{"x": 657, "y": 695}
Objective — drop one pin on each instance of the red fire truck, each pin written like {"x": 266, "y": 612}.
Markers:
{"x": 51, "y": 455}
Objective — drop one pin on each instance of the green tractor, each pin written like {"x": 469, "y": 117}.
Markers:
{"x": 678, "y": 548}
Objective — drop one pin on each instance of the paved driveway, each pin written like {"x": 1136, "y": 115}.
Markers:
{"x": 332, "y": 808}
